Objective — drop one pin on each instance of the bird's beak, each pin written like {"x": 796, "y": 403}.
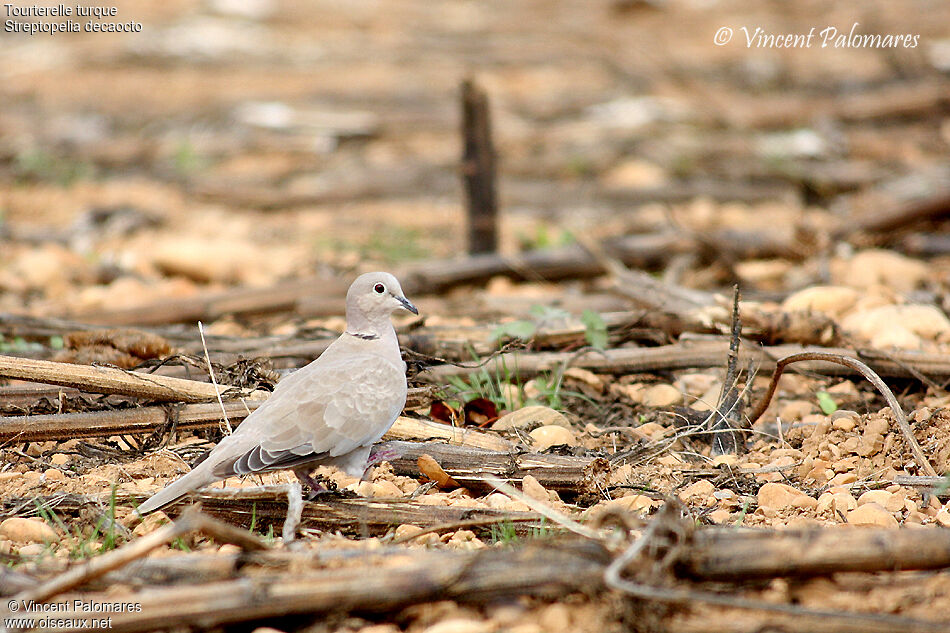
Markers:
{"x": 407, "y": 305}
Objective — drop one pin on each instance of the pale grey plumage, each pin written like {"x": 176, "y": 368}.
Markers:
{"x": 330, "y": 412}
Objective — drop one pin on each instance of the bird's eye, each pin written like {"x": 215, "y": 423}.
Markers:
{"x": 380, "y": 288}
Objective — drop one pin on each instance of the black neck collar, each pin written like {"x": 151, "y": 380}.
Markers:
{"x": 365, "y": 337}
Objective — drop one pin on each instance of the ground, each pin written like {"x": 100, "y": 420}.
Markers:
{"x": 250, "y": 144}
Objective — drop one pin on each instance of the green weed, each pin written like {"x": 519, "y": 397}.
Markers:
{"x": 39, "y": 165}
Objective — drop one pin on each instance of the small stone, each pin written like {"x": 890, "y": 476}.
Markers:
{"x": 878, "y": 267}
{"x": 555, "y": 618}
{"x": 530, "y": 417}
{"x": 531, "y": 487}
{"x": 635, "y": 174}
{"x": 59, "y": 459}
{"x": 363, "y": 488}
{"x": 585, "y": 376}
{"x": 843, "y": 502}
{"x": 702, "y": 489}
{"x": 795, "y": 410}
{"x": 775, "y": 496}
{"x": 725, "y": 460}
{"x": 497, "y": 501}
{"x": 831, "y": 300}
{"x": 35, "y": 549}
{"x": 872, "y": 514}
{"x": 670, "y": 460}
{"x": 150, "y": 523}
{"x": 844, "y": 388}
{"x": 895, "y": 503}
{"x": 876, "y": 426}
{"x": 20, "y": 530}
{"x": 719, "y": 515}
{"x": 631, "y": 503}
{"x": 844, "y": 423}
{"x": 459, "y": 625}
{"x": 661, "y": 396}
{"x": 547, "y": 436}
{"x": 386, "y": 488}
{"x": 634, "y": 392}
{"x": 842, "y": 479}
{"x": 652, "y": 430}
{"x": 880, "y": 497}
{"x": 407, "y": 531}
{"x": 943, "y": 517}
{"x": 54, "y": 474}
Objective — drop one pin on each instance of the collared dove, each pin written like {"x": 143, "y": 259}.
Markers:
{"x": 330, "y": 412}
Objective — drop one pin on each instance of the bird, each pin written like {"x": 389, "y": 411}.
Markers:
{"x": 330, "y": 412}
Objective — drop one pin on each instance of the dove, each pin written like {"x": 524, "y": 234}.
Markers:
{"x": 330, "y": 412}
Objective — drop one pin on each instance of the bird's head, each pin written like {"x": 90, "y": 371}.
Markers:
{"x": 375, "y": 296}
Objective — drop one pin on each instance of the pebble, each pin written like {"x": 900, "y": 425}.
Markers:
{"x": 660, "y": 396}
{"x": 459, "y": 625}
{"x": 652, "y": 430}
{"x": 386, "y": 488}
{"x": 842, "y": 479}
{"x": 407, "y": 530}
{"x": 150, "y": 523}
{"x": 703, "y": 489}
{"x": 831, "y": 300}
{"x": 901, "y": 325}
{"x": 878, "y": 267}
{"x": 547, "y": 436}
{"x": 35, "y": 549}
{"x": 555, "y": 618}
{"x": 497, "y": 501}
{"x": 880, "y": 497}
{"x": 795, "y": 410}
{"x": 943, "y": 517}
{"x": 839, "y": 502}
{"x": 634, "y": 392}
{"x": 20, "y": 530}
{"x": 59, "y": 459}
{"x": 635, "y": 174}
{"x": 725, "y": 460}
{"x": 872, "y": 514}
{"x": 774, "y": 496}
{"x": 696, "y": 384}
{"x": 530, "y": 416}
{"x": 585, "y": 376}
{"x": 631, "y": 503}
{"x": 531, "y": 487}
{"x": 719, "y": 515}
{"x": 54, "y": 474}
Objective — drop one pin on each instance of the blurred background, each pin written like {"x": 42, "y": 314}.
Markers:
{"x": 238, "y": 143}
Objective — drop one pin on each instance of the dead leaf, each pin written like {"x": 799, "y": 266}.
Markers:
{"x": 438, "y": 410}
{"x": 432, "y": 471}
{"x": 480, "y": 412}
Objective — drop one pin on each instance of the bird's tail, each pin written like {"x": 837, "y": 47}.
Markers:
{"x": 197, "y": 478}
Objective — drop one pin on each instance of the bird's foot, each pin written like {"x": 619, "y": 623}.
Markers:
{"x": 386, "y": 452}
{"x": 316, "y": 488}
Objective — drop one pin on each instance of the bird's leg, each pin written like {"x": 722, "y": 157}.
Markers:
{"x": 303, "y": 475}
{"x": 385, "y": 452}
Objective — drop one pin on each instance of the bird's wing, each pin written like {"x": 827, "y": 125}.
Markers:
{"x": 323, "y": 410}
